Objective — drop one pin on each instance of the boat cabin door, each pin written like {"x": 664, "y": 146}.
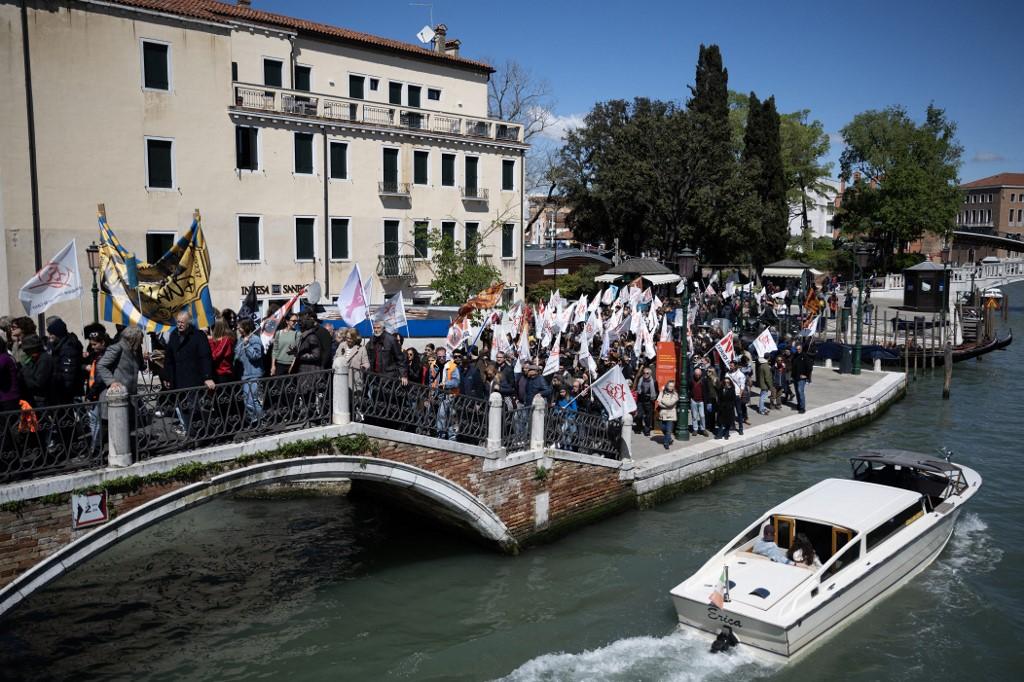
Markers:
{"x": 785, "y": 531}
{"x": 840, "y": 536}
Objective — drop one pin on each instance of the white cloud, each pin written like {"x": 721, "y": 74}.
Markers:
{"x": 556, "y": 126}
{"x": 988, "y": 157}
{"x": 836, "y": 140}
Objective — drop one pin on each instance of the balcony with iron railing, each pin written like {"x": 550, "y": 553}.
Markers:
{"x": 398, "y": 266}
{"x": 474, "y": 194}
{"x": 253, "y": 97}
{"x": 393, "y": 188}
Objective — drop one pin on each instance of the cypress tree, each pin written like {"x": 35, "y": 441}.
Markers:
{"x": 709, "y": 221}
{"x": 762, "y": 151}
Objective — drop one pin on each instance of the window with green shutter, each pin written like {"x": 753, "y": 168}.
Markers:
{"x": 508, "y": 240}
{"x": 305, "y": 239}
{"x": 156, "y": 72}
{"x": 159, "y": 164}
{"x": 339, "y": 160}
{"x": 448, "y": 170}
{"x": 394, "y": 93}
{"x": 304, "y": 153}
{"x": 421, "y": 163}
{"x": 508, "y": 174}
{"x": 419, "y": 236}
{"x": 249, "y": 238}
{"x": 272, "y": 69}
{"x": 339, "y": 238}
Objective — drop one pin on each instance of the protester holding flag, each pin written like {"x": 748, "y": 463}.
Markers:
{"x": 803, "y": 365}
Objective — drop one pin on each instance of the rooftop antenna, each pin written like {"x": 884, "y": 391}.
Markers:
{"x": 426, "y": 34}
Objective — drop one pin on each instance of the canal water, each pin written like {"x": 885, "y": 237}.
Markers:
{"x": 328, "y": 589}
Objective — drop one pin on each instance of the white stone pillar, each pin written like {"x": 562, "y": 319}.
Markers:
{"x": 119, "y": 453}
{"x": 494, "y": 423}
{"x": 878, "y": 364}
{"x": 540, "y": 408}
{"x": 627, "y": 437}
{"x": 340, "y": 412}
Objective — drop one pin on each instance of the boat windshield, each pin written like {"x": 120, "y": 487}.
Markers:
{"x": 934, "y": 478}
{"x": 792, "y": 533}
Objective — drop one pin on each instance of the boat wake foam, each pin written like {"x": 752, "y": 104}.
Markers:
{"x": 678, "y": 657}
{"x": 970, "y": 552}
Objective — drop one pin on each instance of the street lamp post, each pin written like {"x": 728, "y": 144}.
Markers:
{"x": 93, "y": 253}
{"x": 685, "y": 262}
{"x": 862, "y": 256}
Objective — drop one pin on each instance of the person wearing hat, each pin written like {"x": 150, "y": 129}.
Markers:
{"x": 764, "y": 382}
{"x": 38, "y": 373}
{"x": 471, "y": 381}
{"x": 66, "y": 350}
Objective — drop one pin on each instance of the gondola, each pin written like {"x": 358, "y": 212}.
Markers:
{"x": 895, "y": 357}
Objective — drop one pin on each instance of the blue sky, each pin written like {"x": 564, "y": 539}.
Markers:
{"x": 967, "y": 57}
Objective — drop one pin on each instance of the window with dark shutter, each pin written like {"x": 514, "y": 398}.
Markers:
{"x": 394, "y": 93}
{"x": 414, "y": 95}
{"x": 339, "y": 160}
{"x": 472, "y": 163}
{"x": 419, "y": 237}
{"x": 421, "y": 162}
{"x": 448, "y": 231}
{"x": 305, "y": 248}
{"x": 304, "y": 153}
{"x": 355, "y": 87}
{"x": 374, "y": 84}
{"x": 249, "y": 238}
{"x": 157, "y": 244}
{"x": 472, "y": 236}
{"x": 391, "y": 169}
{"x": 234, "y": 71}
{"x": 448, "y": 170}
{"x": 159, "y": 164}
{"x": 508, "y": 174}
{"x": 155, "y": 71}
{"x": 339, "y": 238}
{"x": 508, "y": 240}
{"x": 272, "y": 73}
{"x": 303, "y": 78}
{"x": 247, "y": 155}
{"x": 433, "y": 94}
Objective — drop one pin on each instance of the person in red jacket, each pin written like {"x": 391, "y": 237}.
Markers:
{"x": 222, "y": 349}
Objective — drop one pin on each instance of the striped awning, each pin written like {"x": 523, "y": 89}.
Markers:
{"x": 661, "y": 279}
{"x": 607, "y": 278}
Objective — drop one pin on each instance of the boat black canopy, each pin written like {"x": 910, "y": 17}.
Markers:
{"x": 946, "y": 478}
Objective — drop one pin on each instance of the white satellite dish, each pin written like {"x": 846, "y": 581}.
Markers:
{"x": 313, "y": 293}
{"x": 426, "y": 34}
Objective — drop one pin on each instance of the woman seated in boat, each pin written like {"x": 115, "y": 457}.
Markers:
{"x": 802, "y": 553}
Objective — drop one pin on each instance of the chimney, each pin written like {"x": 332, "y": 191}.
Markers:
{"x": 245, "y": 3}
{"x": 451, "y": 47}
{"x": 440, "y": 42}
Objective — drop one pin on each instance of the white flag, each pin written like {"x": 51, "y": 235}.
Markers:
{"x": 613, "y": 391}
{"x": 649, "y": 349}
{"x": 368, "y": 289}
{"x": 456, "y": 335}
{"x": 606, "y": 346}
{"x": 666, "y": 335}
{"x": 609, "y": 294}
{"x": 392, "y": 313}
{"x": 585, "y": 358}
{"x": 681, "y": 287}
{"x": 765, "y": 344}
{"x": 524, "y": 346}
{"x": 352, "y": 299}
{"x": 57, "y": 281}
{"x": 725, "y": 349}
{"x": 623, "y": 296}
{"x": 595, "y": 304}
{"x": 811, "y": 327}
{"x": 710, "y": 291}
{"x": 554, "y": 359}
{"x": 581, "y": 310}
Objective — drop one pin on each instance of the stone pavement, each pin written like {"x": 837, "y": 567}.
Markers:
{"x": 827, "y": 386}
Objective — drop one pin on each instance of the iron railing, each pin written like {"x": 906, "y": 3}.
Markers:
{"x": 515, "y": 428}
{"x": 384, "y": 401}
{"x": 474, "y": 193}
{"x": 581, "y": 432}
{"x": 395, "y": 267}
{"x": 181, "y": 419}
{"x": 412, "y": 119}
{"x": 478, "y": 128}
{"x": 50, "y": 440}
{"x": 383, "y": 116}
{"x": 393, "y": 188}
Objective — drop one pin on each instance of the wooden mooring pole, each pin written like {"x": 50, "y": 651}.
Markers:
{"x": 947, "y": 369}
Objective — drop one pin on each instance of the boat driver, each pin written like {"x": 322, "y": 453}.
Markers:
{"x": 766, "y": 546}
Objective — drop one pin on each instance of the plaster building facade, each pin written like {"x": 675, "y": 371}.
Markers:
{"x": 821, "y": 208}
{"x": 307, "y": 148}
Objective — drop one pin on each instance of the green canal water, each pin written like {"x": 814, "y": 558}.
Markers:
{"x": 329, "y": 589}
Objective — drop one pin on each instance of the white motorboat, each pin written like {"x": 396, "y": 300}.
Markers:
{"x": 871, "y": 534}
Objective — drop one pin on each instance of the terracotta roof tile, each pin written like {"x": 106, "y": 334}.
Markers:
{"x": 219, "y": 11}
{"x": 999, "y": 180}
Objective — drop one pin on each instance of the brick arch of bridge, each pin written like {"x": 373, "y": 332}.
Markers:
{"x": 454, "y": 504}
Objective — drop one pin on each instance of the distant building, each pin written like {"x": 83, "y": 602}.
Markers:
{"x": 552, "y": 223}
{"x": 992, "y": 205}
{"x": 820, "y": 211}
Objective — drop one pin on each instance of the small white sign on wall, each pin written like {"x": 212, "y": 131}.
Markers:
{"x": 89, "y": 509}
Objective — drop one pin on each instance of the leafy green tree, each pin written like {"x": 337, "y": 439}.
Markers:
{"x": 906, "y": 178}
{"x": 459, "y": 273}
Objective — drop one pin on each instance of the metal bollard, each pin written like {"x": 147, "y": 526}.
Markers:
{"x": 540, "y": 407}
{"x": 878, "y": 365}
{"x": 627, "y": 437}
{"x": 340, "y": 411}
{"x": 494, "y": 423}
{"x": 119, "y": 442}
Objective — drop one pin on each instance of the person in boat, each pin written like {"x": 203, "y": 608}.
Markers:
{"x": 802, "y": 553}
{"x": 765, "y": 546}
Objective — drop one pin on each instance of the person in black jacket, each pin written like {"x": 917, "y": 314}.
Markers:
{"x": 188, "y": 363}
{"x": 323, "y": 334}
{"x": 308, "y": 350}
{"x": 470, "y": 379}
{"x": 66, "y": 350}
{"x": 38, "y": 373}
{"x": 803, "y": 365}
{"x": 385, "y": 355}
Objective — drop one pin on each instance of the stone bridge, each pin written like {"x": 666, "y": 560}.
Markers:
{"x": 507, "y": 499}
